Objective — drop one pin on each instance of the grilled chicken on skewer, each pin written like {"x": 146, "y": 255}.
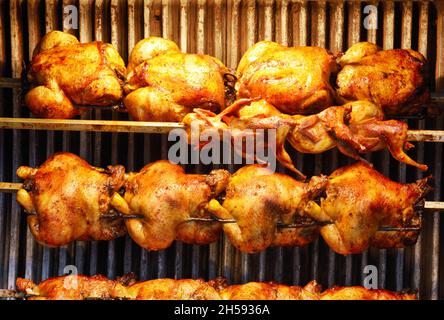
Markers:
{"x": 257, "y": 200}
{"x": 359, "y": 200}
{"x": 69, "y": 198}
{"x": 167, "y": 198}
{"x": 393, "y": 79}
{"x": 293, "y": 79}
{"x": 355, "y": 128}
{"x": 67, "y": 73}
{"x": 164, "y": 84}
{"x": 98, "y": 287}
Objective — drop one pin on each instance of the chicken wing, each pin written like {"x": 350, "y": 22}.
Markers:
{"x": 67, "y": 199}
{"x": 67, "y": 73}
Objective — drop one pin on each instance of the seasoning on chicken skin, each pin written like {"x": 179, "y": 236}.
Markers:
{"x": 167, "y": 198}
{"x": 293, "y": 79}
{"x": 164, "y": 84}
{"x": 394, "y": 79}
{"x": 66, "y": 73}
{"x": 98, "y": 287}
{"x": 359, "y": 201}
{"x": 67, "y": 199}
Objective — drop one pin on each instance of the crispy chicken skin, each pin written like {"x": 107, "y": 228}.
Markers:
{"x": 167, "y": 289}
{"x": 99, "y": 287}
{"x": 166, "y": 197}
{"x": 164, "y": 84}
{"x": 68, "y": 288}
{"x": 355, "y": 128}
{"x": 392, "y": 79}
{"x": 67, "y": 200}
{"x": 67, "y": 73}
{"x": 361, "y": 293}
{"x": 293, "y": 79}
{"x": 258, "y": 199}
{"x": 359, "y": 201}
{"x": 267, "y": 291}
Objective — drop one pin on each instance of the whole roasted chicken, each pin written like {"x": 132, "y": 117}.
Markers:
{"x": 293, "y": 79}
{"x": 167, "y": 199}
{"x": 257, "y": 200}
{"x": 67, "y": 74}
{"x": 164, "y": 84}
{"x": 393, "y": 79}
{"x": 67, "y": 199}
{"x": 359, "y": 201}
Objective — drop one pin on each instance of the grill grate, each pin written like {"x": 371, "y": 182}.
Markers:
{"x": 225, "y": 29}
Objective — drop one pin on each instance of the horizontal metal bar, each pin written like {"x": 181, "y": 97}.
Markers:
{"x": 9, "y": 186}
{"x": 146, "y": 127}
{"x": 10, "y": 82}
{"x": 426, "y": 135}
{"x": 88, "y": 125}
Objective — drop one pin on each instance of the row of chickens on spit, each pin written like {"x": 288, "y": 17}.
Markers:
{"x": 314, "y": 99}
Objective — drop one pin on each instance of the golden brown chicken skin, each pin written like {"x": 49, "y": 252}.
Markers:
{"x": 257, "y": 200}
{"x": 66, "y": 73}
{"x": 359, "y": 201}
{"x": 167, "y": 198}
{"x": 67, "y": 199}
{"x": 393, "y": 79}
{"x": 361, "y": 293}
{"x": 293, "y": 79}
{"x": 164, "y": 84}
{"x": 167, "y": 289}
{"x": 73, "y": 287}
{"x": 98, "y": 287}
{"x": 267, "y": 291}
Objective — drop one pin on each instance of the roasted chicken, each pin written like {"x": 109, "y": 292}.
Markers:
{"x": 67, "y": 74}
{"x": 393, "y": 79}
{"x": 72, "y": 287}
{"x": 98, "y": 287}
{"x": 167, "y": 198}
{"x": 359, "y": 201}
{"x": 355, "y": 128}
{"x": 354, "y": 208}
{"x": 257, "y": 200}
{"x": 164, "y": 84}
{"x": 293, "y": 79}
{"x": 67, "y": 199}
